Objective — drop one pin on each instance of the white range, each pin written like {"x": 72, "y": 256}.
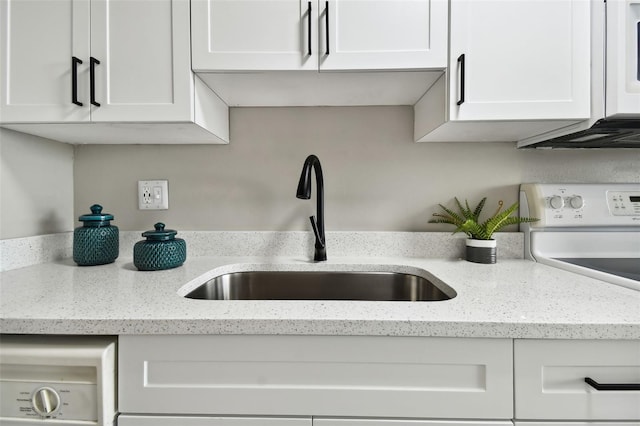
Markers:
{"x": 590, "y": 229}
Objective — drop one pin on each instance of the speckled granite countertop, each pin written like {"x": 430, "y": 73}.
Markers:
{"x": 514, "y": 298}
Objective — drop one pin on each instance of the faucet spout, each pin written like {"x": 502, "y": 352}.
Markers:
{"x": 304, "y": 192}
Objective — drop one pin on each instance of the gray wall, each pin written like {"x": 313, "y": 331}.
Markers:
{"x": 376, "y": 177}
{"x": 36, "y": 186}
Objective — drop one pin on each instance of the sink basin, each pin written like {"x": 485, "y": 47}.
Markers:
{"x": 321, "y": 285}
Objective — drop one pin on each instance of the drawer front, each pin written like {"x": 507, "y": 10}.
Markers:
{"x": 550, "y": 379}
{"x": 316, "y": 376}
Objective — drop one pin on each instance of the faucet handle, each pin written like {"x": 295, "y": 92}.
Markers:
{"x": 314, "y": 225}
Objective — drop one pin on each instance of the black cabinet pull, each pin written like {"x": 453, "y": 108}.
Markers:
{"x": 74, "y": 80}
{"x": 326, "y": 24}
{"x": 461, "y": 63}
{"x": 92, "y": 76}
{"x": 309, "y": 28}
{"x": 612, "y": 386}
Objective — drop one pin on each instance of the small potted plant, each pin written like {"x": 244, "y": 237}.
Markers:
{"x": 481, "y": 247}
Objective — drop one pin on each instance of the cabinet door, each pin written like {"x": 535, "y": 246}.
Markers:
{"x": 526, "y": 59}
{"x": 127, "y": 420}
{"x": 346, "y": 376}
{"x": 623, "y": 58}
{"x": 404, "y": 422}
{"x": 383, "y": 34}
{"x": 574, "y": 423}
{"x": 550, "y": 379}
{"x": 143, "y": 48}
{"x": 38, "y": 39}
{"x": 254, "y": 35}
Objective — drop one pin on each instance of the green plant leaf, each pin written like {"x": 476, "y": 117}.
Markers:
{"x": 499, "y": 220}
{"x": 466, "y": 212}
{"x": 478, "y": 209}
{"x": 471, "y": 228}
{"x": 467, "y": 221}
{"x": 452, "y": 216}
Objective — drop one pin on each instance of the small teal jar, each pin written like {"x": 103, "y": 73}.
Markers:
{"x": 97, "y": 241}
{"x": 161, "y": 250}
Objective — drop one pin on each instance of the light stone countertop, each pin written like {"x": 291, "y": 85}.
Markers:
{"x": 514, "y": 298}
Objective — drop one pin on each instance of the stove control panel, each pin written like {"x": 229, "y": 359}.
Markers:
{"x": 624, "y": 203}
{"x": 575, "y": 205}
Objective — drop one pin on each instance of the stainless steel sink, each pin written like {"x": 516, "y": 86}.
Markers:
{"x": 321, "y": 285}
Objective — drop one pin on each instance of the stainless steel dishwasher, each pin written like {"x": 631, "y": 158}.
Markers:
{"x": 57, "y": 380}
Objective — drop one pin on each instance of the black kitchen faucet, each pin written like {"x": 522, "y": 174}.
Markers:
{"x": 304, "y": 193}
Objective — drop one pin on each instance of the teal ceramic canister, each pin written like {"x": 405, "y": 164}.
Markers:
{"x": 96, "y": 241}
{"x": 160, "y": 250}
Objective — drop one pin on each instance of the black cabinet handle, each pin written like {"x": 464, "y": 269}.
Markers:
{"x": 326, "y": 24}
{"x": 92, "y": 77}
{"x": 612, "y": 386}
{"x": 461, "y": 63}
{"x": 74, "y": 80}
{"x": 309, "y": 28}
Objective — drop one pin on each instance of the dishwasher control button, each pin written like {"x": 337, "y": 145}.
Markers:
{"x": 46, "y": 401}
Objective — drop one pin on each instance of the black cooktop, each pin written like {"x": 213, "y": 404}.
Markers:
{"x": 627, "y": 267}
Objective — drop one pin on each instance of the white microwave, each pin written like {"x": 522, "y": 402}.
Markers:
{"x": 615, "y": 85}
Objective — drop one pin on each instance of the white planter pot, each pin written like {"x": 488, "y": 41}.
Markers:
{"x": 481, "y": 251}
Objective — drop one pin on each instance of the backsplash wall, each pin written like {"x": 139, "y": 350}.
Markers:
{"x": 36, "y": 185}
{"x": 376, "y": 177}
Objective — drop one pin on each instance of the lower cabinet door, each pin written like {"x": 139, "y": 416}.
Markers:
{"x": 550, "y": 380}
{"x": 517, "y": 423}
{"x": 321, "y": 376}
{"x": 149, "y": 420}
{"x": 396, "y": 422}
{"x": 144, "y": 420}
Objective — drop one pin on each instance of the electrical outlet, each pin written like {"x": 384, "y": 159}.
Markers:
{"x": 153, "y": 195}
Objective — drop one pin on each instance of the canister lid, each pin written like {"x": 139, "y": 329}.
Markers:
{"x": 160, "y": 234}
{"x": 96, "y": 215}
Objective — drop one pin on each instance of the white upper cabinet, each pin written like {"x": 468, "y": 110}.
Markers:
{"x": 519, "y": 68}
{"x": 522, "y": 59}
{"x": 38, "y": 41}
{"x": 250, "y": 35}
{"x": 623, "y": 58}
{"x": 254, "y": 35}
{"x": 98, "y": 71}
{"x": 104, "y": 60}
{"x": 391, "y": 34}
{"x": 144, "y": 70}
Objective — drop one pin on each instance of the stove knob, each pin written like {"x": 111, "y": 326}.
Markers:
{"x": 576, "y": 202}
{"x": 556, "y": 202}
{"x": 46, "y": 401}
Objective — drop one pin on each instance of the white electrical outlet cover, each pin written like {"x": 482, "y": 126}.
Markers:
{"x": 153, "y": 195}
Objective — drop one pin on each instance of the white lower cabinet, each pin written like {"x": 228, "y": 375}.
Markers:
{"x": 145, "y": 420}
{"x": 321, "y": 377}
{"x": 404, "y": 422}
{"x": 550, "y": 380}
{"x": 517, "y": 423}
